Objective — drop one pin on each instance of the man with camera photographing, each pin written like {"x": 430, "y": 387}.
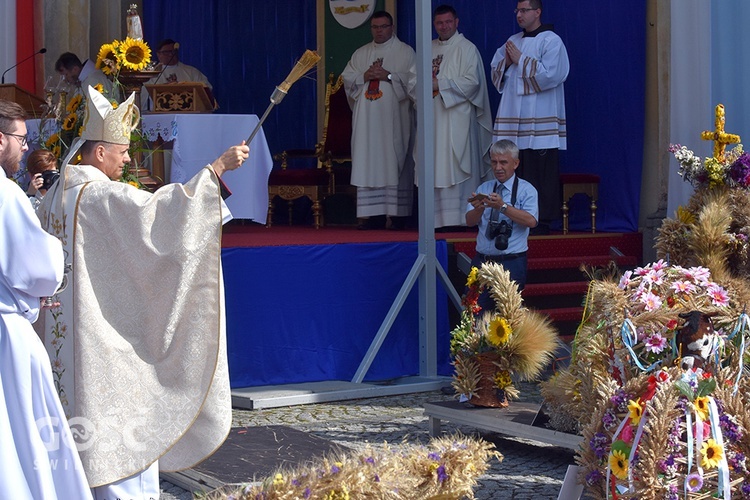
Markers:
{"x": 505, "y": 209}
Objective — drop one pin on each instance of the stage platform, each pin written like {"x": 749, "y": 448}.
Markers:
{"x": 303, "y": 305}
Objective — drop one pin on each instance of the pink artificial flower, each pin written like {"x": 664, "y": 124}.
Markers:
{"x": 625, "y": 280}
{"x": 700, "y": 275}
{"x": 659, "y": 265}
{"x": 683, "y": 287}
{"x": 654, "y": 276}
{"x": 627, "y": 434}
{"x": 655, "y": 343}
{"x": 719, "y": 296}
{"x": 651, "y": 300}
{"x": 641, "y": 271}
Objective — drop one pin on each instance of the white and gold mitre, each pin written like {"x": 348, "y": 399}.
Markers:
{"x": 104, "y": 123}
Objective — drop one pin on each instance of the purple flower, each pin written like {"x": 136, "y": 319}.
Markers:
{"x": 729, "y": 427}
{"x": 434, "y": 456}
{"x": 694, "y": 482}
{"x": 593, "y": 477}
{"x": 370, "y": 460}
{"x": 600, "y": 444}
{"x": 745, "y": 490}
{"x": 307, "y": 493}
{"x": 295, "y": 482}
{"x": 441, "y": 475}
{"x": 335, "y": 469}
{"x": 740, "y": 170}
{"x": 619, "y": 400}
{"x": 609, "y": 418}
{"x": 377, "y": 478}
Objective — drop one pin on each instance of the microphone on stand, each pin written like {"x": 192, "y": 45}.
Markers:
{"x": 40, "y": 51}
{"x": 174, "y": 52}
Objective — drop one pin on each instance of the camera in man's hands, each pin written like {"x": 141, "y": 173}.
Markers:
{"x": 49, "y": 177}
{"x": 500, "y": 232}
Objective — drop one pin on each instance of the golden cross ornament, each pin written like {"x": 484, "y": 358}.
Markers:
{"x": 720, "y": 138}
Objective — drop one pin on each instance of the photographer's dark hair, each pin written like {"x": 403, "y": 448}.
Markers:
{"x": 40, "y": 160}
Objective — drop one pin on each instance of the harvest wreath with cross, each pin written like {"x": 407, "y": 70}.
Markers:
{"x": 657, "y": 383}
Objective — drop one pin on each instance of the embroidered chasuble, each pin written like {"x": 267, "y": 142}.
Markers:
{"x": 382, "y": 128}
{"x": 138, "y": 345}
{"x": 463, "y": 127}
{"x": 532, "y": 107}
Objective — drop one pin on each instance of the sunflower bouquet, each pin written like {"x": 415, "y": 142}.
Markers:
{"x": 492, "y": 349}
{"x": 129, "y": 54}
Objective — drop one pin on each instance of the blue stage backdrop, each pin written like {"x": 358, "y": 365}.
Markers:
{"x": 309, "y": 313}
{"x": 247, "y": 48}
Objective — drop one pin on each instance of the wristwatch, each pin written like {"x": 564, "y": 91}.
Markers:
{"x": 503, "y": 208}
{"x": 390, "y": 77}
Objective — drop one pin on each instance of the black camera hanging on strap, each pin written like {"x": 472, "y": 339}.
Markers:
{"x": 501, "y": 231}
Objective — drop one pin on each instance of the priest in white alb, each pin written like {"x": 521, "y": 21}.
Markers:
{"x": 138, "y": 345}
{"x": 463, "y": 121}
{"x": 379, "y": 80}
{"x": 529, "y": 70}
{"x": 38, "y": 456}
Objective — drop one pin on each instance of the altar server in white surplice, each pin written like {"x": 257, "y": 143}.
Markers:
{"x": 529, "y": 70}
{"x": 463, "y": 120}
{"x": 379, "y": 81}
{"x": 38, "y": 456}
{"x": 138, "y": 344}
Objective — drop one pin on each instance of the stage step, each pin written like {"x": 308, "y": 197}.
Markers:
{"x": 557, "y": 280}
{"x": 566, "y": 288}
{"x": 561, "y": 314}
{"x": 543, "y": 263}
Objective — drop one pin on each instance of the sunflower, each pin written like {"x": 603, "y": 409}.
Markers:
{"x": 135, "y": 54}
{"x": 472, "y": 278}
{"x": 711, "y": 454}
{"x": 502, "y": 379}
{"x": 99, "y": 88}
{"x": 73, "y": 104}
{"x": 618, "y": 462}
{"x": 107, "y": 59}
{"x": 635, "y": 410}
{"x": 52, "y": 140}
{"x": 70, "y": 121}
{"x": 701, "y": 407}
{"x": 499, "y": 331}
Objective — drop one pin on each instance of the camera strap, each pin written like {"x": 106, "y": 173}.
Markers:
{"x": 494, "y": 214}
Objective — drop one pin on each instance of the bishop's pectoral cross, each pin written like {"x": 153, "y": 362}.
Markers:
{"x": 720, "y": 138}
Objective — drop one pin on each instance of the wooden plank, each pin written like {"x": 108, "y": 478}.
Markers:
{"x": 515, "y": 420}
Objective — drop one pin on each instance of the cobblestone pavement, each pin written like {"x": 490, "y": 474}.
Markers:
{"x": 530, "y": 470}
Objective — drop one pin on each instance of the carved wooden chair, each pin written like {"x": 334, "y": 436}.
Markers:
{"x": 334, "y": 147}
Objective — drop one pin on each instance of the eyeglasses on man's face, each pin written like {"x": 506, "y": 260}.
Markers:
{"x": 522, "y": 10}
{"x": 21, "y": 138}
{"x": 379, "y": 26}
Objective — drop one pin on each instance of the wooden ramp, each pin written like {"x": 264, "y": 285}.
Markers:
{"x": 519, "y": 420}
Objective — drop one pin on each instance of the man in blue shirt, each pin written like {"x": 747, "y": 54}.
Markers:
{"x": 505, "y": 209}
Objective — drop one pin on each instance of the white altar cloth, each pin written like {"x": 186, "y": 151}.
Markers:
{"x": 201, "y": 138}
